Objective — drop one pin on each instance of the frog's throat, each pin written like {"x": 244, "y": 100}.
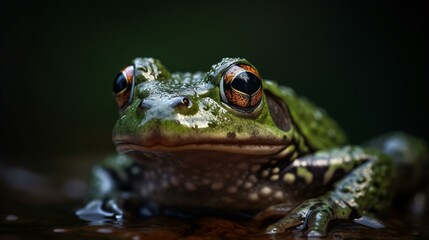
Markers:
{"x": 245, "y": 149}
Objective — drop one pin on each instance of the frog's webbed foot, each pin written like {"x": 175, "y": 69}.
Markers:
{"x": 99, "y": 209}
{"x": 313, "y": 214}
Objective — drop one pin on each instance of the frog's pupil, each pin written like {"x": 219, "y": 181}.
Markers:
{"x": 246, "y": 82}
{"x": 120, "y": 83}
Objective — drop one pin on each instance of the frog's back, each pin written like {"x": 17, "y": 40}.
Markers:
{"x": 319, "y": 130}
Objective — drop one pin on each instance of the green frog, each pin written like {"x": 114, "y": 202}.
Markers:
{"x": 230, "y": 140}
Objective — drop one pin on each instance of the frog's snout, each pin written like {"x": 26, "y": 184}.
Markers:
{"x": 176, "y": 103}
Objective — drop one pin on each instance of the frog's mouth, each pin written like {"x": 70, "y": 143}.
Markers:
{"x": 211, "y": 147}
{"x": 198, "y": 150}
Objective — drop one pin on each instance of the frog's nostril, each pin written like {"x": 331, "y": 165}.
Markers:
{"x": 187, "y": 102}
{"x": 180, "y": 102}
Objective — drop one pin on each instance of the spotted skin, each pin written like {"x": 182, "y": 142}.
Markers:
{"x": 364, "y": 170}
{"x": 336, "y": 198}
{"x": 183, "y": 146}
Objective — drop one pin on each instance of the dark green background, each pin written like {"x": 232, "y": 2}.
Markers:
{"x": 365, "y": 63}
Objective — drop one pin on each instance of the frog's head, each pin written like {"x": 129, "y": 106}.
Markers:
{"x": 224, "y": 113}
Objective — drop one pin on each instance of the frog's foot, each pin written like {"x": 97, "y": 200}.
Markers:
{"x": 98, "y": 209}
{"x": 313, "y": 214}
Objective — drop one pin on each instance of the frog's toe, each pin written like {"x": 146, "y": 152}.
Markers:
{"x": 98, "y": 209}
{"x": 115, "y": 209}
{"x": 95, "y": 207}
{"x": 289, "y": 221}
{"x": 313, "y": 215}
{"x": 291, "y": 218}
{"x": 318, "y": 221}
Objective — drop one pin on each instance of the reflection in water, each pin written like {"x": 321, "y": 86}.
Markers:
{"x": 34, "y": 207}
{"x": 59, "y": 221}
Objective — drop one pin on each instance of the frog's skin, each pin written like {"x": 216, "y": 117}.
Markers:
{"x": 183, "y": 143}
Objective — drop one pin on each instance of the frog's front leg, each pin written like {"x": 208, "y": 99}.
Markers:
{"x": 359, "y": 182}
{"x": 109, "y": 187}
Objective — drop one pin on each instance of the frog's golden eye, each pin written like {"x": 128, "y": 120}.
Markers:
{"x": 122, "y": 86}
{"x": 241, "y": 88}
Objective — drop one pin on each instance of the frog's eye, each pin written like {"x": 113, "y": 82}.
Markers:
{"x": 122, "y": 86}
{"x": 241, "y": 88}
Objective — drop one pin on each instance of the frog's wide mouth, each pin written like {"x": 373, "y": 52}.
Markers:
{"x": 245, "y": 149}
{"x": 211, "y": 145}
{"x": 192, "y": 149}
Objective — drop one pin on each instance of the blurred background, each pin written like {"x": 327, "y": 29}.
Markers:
{"x": 366, "y": 63}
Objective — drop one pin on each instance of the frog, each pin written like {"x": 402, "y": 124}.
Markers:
{"x": 229, "y": 140}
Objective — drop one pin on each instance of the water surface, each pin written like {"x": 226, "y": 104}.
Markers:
{"x": 42, "y": 206}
